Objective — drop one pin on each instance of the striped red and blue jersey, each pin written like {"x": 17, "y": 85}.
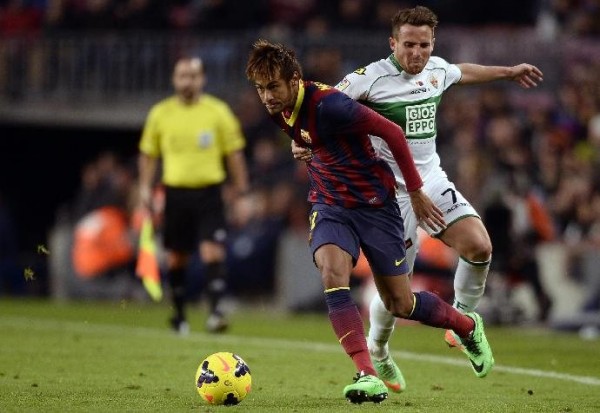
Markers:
{"x": 344, "y": 170}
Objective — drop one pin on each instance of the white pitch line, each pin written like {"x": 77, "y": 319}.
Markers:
{"x": 84, "y": 326}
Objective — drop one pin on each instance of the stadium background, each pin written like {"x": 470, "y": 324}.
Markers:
{"x": 78, "y": 76}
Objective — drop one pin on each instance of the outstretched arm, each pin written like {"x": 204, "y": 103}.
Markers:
{"x": 524, "y": 74}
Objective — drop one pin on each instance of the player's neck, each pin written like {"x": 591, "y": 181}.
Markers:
{"x": 190, "y": 100}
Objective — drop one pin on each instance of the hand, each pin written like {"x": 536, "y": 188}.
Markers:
{"x": 527, "y": 75}
{"x": 300, "y": 153}
{"x": 145, "y": 200}
{"x": 426, "y": 211}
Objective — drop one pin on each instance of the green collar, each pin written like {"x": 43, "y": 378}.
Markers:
{"x": 395, "y": 63}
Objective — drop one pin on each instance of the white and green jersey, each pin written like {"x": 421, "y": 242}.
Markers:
{"x": 411, "y": 101}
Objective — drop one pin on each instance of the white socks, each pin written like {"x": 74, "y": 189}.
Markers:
{"x": 381, "y": 323}
{"x": 469, "y": 284}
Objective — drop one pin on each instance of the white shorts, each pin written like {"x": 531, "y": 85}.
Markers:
{"x": 446, "y": 197}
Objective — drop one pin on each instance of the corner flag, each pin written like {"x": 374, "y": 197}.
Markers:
{"x": 147, "y": 263}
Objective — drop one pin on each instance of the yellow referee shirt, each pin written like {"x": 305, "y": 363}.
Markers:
{"x": 192, "y": 140}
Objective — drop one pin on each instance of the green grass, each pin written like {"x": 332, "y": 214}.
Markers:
{"x": 120, "y": 357}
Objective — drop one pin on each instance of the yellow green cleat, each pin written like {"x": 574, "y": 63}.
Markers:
{"x": 477, "y": 348}
{"x": 366, "y": 388}
{"x": 390, "y": 374}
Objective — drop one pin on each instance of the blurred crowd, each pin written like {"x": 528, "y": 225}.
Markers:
{"x": 529, "y": 163}
{"x": 579, "y": 17}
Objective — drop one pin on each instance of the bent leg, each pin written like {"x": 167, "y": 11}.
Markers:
{"x": 335, "y": 265}
{"x": 471, "y": 241}
{"x": 423, "y": 306}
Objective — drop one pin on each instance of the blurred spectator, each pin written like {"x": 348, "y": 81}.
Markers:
{"x": 140, "y": 15}
{"x": 383, "y": 13}
{"x": 576, "y": 17}
{"x": 324, "y": 63}
{"x": 231, "y": 15}
{"x": 90, "y": 15}
{"x": 182, "y": 15}
{"x": 19, "y": 17}
{"x": 102, "y": 244}
{"x": 352, "y": 15}
{"x": 100, "y": 214}
{"x": 20, "y": 22}
{"x": 269, "y": 165}
{"x": 292, "y": 13}
{"x": 518, "y": 222}
{"x": 252, "y": 244}
{"x": 255, "y": 123}
{"x": 104, "y": 182}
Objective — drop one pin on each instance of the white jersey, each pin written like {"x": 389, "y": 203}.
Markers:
{"x": 411, "y": 101}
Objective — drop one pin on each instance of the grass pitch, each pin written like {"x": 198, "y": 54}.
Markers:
{"x": 121, "y": 357}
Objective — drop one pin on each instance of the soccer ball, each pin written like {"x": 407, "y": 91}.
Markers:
{"x": 223, "y": 378}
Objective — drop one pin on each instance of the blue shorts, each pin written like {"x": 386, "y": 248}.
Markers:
{"x": 378, "y": 231}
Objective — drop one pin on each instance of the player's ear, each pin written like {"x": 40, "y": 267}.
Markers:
{"x": 295, "y": 79}
{"x": 432, "y": 43}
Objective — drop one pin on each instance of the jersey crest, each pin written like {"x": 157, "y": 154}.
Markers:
{"x": 205, "y": 140}
{"x": 433, "y": 80}
{"x": 343, "y": 84}
{"x": 305, "y": 136}
{"x": 322, "y": 86}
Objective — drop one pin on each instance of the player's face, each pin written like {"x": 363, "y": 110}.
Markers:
{"x": 412, "y": 47}
{"x": 277, "y": 94}
{"x": 188, "y": 79}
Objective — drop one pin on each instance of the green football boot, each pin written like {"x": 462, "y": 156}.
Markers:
{"x": 390, "y": 374}
{"x": 477, "y": 348}
{"x": 366, "y": 388}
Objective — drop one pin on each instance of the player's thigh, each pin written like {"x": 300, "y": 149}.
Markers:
{"x": 450, "y": 200}
{"x": 333, "y": 243}
{"x": 410, "y": 229}
{"x": 381, "y": 233}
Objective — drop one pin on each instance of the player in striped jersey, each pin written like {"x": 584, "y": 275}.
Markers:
{"x": 353, "y": 207}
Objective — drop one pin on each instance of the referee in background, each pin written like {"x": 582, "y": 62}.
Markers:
{"x": 200, "y": 143}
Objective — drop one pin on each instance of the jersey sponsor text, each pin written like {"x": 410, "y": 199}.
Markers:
{"x": 420, "y": 119}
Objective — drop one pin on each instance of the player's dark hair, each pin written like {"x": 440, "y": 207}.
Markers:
{"x": 417, "y": 16}
{"x": 268, "y": 60}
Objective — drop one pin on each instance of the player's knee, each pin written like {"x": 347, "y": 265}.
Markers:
{"x": 333, "y": 277}
{"x": 479, "y": 250}
{"x": 399, "y": 306}
{"x": 484, "y": 250}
